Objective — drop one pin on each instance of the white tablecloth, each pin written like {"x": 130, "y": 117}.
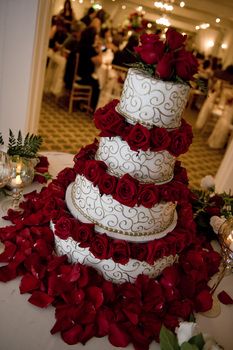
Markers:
{"x": 23, "y": 326}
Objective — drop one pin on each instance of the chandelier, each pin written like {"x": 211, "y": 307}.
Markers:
{"x": 163, "y": 21}
{"x": 164, "y": 5}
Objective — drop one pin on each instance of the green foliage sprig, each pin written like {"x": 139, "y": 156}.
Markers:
{"x": 27, "y": 147}
{"x": 168, "y": 341}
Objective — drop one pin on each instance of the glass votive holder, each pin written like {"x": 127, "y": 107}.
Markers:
{"x": 5, "y": 169}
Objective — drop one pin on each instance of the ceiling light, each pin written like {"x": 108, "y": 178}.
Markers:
{"x": 163, "y": 21}
{"x": 210, "y": 43}
{"x": 80, "y": 1}
{"x": 224, "y": 46}
{"x": 197, "y": 27}
{"x": 139, "y": 8}
{"x": 149, "y": 25}
{"x": 163, "y": 5}
{"x": 182, "y": 4}
{"x": 123, "y": 7}
{"x": 217, "y": 20}
{"x": 204, "y": 25}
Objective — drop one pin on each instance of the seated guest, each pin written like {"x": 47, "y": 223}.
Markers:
{"x": 127, "y": 55}
{"x": 55, "y": 74}
{"x": 90, "y": 57}
{"x": 72, "y": 46}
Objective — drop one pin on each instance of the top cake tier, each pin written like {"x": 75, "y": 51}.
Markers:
{"x": 152, "y": 102}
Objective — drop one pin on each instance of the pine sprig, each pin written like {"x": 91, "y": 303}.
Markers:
{"x": 27, "y": 147}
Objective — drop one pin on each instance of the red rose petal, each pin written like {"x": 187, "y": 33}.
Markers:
{"x": 61, "y": 325}
{"x": 73, "y": 335}
{"x": 117, "y": 336}
{"x": 8, "y": 272}
{"x": 28, "y": 283}
{"x": 225, "y": 298}
{"x": 40, "y": 299}
{"x": 8, "y": 253}
{"x": 96, "y": 296}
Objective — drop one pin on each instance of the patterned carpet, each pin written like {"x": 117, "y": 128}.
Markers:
{"x": 69, "y": 132}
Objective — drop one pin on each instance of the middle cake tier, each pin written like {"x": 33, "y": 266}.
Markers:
{"x": 145, "y": 166}
{"x": 137, "y": 223}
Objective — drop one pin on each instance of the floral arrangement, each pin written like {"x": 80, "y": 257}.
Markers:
{"x": 167, "y": 60}
{"x": 126, "y": 189}
{"x": 111, "y": 123}
{"x": 206, "y": 204}
{"x": 187, "y": 336}
{"x": 28, "y": 148}
{"x": 137, "y": 22}
{"x": 85, "y": 304}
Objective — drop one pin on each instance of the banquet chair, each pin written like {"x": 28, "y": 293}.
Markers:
{"x": 80, "y": 92}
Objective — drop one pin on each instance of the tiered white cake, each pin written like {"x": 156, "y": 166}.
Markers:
{"x": 151, "y": 103}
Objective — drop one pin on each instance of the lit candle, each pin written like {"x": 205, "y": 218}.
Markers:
{"x": 16, "y": 182}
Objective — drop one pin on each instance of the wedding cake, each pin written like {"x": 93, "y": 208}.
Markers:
{"x": 130, "y": 200}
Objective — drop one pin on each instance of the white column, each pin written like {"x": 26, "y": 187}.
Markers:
{"x": 19, "y": 93}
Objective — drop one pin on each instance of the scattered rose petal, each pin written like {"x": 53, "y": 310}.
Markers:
{"x": 117, "y": 336}
{"x": 28, "y": 283}
{"x": 40, "y": 299}
{"x": 225, "y": 298}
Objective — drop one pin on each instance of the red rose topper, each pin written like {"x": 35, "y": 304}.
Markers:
{"x": 170, "y": 58}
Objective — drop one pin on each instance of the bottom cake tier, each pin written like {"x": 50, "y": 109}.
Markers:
{"x": 111, "y": 271}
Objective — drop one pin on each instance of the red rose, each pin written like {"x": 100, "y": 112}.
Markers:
{"x": 87, "y": 152}
{"x": 160, "y": 139}
{"x": 149, "y": 39}
{"x": 148, "y": 195}
{"x": 108, "y": 120}
{"x": 66, "y": 176}
{"x": 94, "y": 169}
{"x": 203, "y": 301}
{"x": 174, "y": 191}
{"x": 41, "y": 167}
{"x": 100, "y": 246}
{"x": 64, "y": 227}
{"x": 181, "y": 309}
{"x": 174, "y": 39}
{"x": 186, "y": 64}
{"x": 107, "y": 183}
{"x": 179, "y": 143}
{"x": 119, "y": 251}
{"x": 180, "y": 173}
{"x": 165, "y": 66}
{"x": 138, "y": 138}
{"x": 127, "y": 190}
{"x": 140, "y": 251}
{"x": 83, "y": 234}
{"x": 151, "y": 49}
{"x": 185, "y": 217}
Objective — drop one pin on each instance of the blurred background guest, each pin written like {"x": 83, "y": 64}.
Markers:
{"x": 90, "y": 58}
{"x": 67, "y": 14}
{"x": 90, "y": 15}
{"x": 127, "y": 55}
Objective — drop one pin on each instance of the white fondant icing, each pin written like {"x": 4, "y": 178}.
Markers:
{"x": 150, "y": 167}
{"x": 152, "y": 101}
{"x": 118, "y": 220}
{"x": 111, "y": 270}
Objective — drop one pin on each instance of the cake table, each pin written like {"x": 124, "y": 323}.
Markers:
{"x": 24, "y": 326}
